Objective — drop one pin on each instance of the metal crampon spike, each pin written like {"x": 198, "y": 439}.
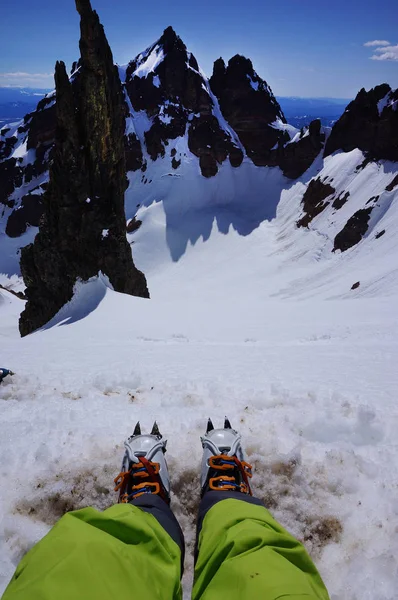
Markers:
{"x": 137, "y": 429}
{"x": 210, "y": 426}
{"x": 155, "y": 430}
{"x": 227, "y": 424}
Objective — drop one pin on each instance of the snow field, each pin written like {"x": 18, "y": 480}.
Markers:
{"x": 249, "y": 317}
{"x": 313, "y": 396}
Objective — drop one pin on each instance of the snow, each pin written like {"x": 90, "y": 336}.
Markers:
{"x": 291, "y": 130}
{"x": 88, "y": 200}
{"x": 218, "y": 114}
{"x": 253, "y": 84}
{"x": 249, "y": 316}
{"x": 383, "y": 103}
{"x": 20, "y": 150}
{"x": 138, "y": 122}
{"x": 166, "y": 119}
{"x": 149, "y": 62}
{"x": 156, "y": 81}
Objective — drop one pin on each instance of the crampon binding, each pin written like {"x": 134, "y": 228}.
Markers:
{"x": 144, "y": 469}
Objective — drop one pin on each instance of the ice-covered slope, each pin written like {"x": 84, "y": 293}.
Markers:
{"x": 226, "y": 236}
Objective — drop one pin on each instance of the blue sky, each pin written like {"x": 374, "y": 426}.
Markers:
{"x": 301, "y": 47}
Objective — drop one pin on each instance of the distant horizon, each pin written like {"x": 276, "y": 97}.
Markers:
{"x": 50, "y": 89}
{"x": 302, "y": 50}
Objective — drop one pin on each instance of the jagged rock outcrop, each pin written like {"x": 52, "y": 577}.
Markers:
{"x": 7, "y": 144}
{"x": 11, "y": 177}
{"x": 341, "y": 199}
{"x": 27, "y": 214}
{"x": 295, "y": 157}
{"x": 369, "y": 123}
{"x": 393, "y": 184}
{"x": 314, "y": 200}
{"x": 165, "y": 81}
{"x": 133, "y": 153}
{"x": 167, "y": 98}
{"x": 353, "y": 231}
{"x": 83, "y": 226}
{"x": 28, "y": 171}
{"x": 250, "y": 107}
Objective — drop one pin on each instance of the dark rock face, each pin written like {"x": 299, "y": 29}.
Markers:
{"x": 7, "y": 145}
{"x": 165, "y": 82}
{"x": 83, "y": 227}
{"x": 353, "y": 231}
{"x": 38, "y": 131}
{"x": 295, "y": 158}
{"x": 11, "y": 177}
{"x": 133, "y": 152}
{"x": 369, "y": 123}
{"x": 28, "y": 213}
{"x": 314, "y": 200}
{"x": 392, "y": 185}
{"x": 41, "y": 131}
{"x": 175, "y": 163}
{"x": 133, "y": 225}
{"x": 249, "y": 106}
{"x": 212, "y": 145}
{"x": 340, "y": 200}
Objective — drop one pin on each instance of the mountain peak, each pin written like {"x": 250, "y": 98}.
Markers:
{"x": 169, "y": 34}
{"x": 170, "y": 41}
{"x": 240, "y": 62}
{"x": 249, "y": 106}
{"x": 369, "y": 123}
{"x": 83, "y": 7}
{"x": 86, "y": 187}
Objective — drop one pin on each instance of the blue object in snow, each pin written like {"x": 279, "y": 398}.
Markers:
{"x": 4, "y": 373}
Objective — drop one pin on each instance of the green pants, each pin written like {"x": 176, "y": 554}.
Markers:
{"x": 131, "y": 551}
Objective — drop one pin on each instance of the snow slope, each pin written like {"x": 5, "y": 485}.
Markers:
{"x": 250, "y": 317}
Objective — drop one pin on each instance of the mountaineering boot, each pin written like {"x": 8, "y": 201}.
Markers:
{"x": 144, "y": 469}
{"x": 224, "y": 467}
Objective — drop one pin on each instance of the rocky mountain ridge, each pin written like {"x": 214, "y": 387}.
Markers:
{"x": 229, "y": 117}
{"x": 194, "y": 143}
{"x": 82, "y": 230}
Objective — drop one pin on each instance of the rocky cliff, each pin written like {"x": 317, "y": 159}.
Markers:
{"x": 194, "y": 141}
{"x": 229, "y": 118}
{"x": 165, "y": 81}
{"x": 249, "y": 106}
{"x": 82, "y": 231}
{"x": 369, "y": 123}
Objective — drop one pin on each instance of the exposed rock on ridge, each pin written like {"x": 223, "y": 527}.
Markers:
{"x": 296, "y": 157}
{"x": 165, "y": 81}
{"x": 83, "y": 226}
{"x": 369, "y": 123}
{"x": 353, "y": 231}
{"x": 314, "y": 200}
{"x": 249, "y": 106}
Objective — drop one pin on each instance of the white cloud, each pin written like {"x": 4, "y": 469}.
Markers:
{"x": 386, "y": 53}
{"x": 378, "y": 43}
{"x": 383, "y": 50}
{"x": 20, "y": 79}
